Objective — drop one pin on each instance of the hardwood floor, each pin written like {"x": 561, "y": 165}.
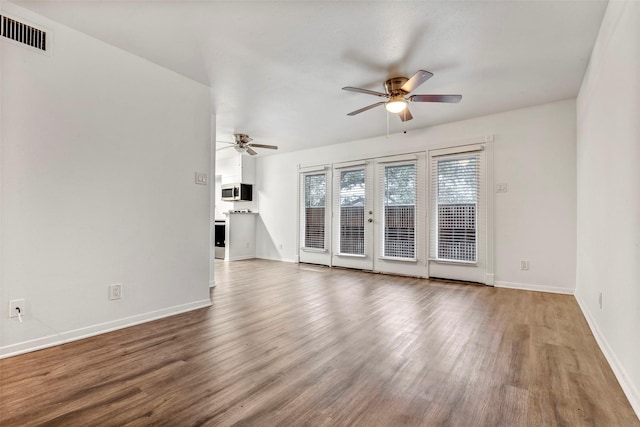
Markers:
{"x": 287, "y": 344}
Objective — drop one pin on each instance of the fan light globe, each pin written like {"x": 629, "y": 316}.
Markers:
{"x": 396, "y": 105}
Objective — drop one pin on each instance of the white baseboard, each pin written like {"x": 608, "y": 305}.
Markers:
{"x": 101, "y": 328}
{"x": 240, "y": 258}
{"x": 618, "y": 370}
{"x": 276, "y": 259}
{"x": 538, "y": 288}
{"x": 212, "y": 283}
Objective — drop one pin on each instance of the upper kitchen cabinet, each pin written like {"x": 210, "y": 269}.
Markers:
{"x": 236, "y": 168}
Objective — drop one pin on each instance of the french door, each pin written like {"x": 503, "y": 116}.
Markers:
{"x": 458, "y": 214}
{"x": 368, "y": 215}
{"x": 315, "y": 215}
{"x": 353, "y": 215}
{"x": 391, "y": 215}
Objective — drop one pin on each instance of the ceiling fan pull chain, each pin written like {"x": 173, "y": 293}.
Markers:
{"x": 387, "y": 125}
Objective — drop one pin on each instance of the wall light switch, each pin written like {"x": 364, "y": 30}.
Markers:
{"x": 501, "y": 188}
{"x": 201, "y": 178}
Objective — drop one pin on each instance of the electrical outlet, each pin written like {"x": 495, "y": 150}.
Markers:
{"x": 16, "y": 305}
{"x": 501, "y": 188}
{"x": 524, "y": 265}
{"x": 115, "y": 291}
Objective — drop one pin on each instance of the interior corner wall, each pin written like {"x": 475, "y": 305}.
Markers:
{"x": 99, "y": 154}
{"x": 608, "y": 139}
{"x": 534, "y": 154}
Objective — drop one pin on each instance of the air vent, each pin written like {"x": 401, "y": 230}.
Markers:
{"x": 23, "y": 33}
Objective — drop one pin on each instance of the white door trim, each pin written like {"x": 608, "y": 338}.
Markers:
{"x": 462, "y": 146}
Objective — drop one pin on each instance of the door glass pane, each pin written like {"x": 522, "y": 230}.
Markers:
{"x": 457, "y": 202}
{"x": 315, "y": 189}
{"x": 399, "y": 211}
{"x": 352, "y": 200}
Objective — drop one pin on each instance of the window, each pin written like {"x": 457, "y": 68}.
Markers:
{"x": 455, "y": 184}
{"x": 315, "y": 187}
{"x": 352, "y": 201}
{"x": 399, "y": 211}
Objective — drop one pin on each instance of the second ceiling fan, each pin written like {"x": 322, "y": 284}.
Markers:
{"x": 242, "y": 143}
{"x": 396, "y": 91}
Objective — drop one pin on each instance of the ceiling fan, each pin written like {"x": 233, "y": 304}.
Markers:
{"x": 396, "y": 89}
{"x": 243, "y": 144}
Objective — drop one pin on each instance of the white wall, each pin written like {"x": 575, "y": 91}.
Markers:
{"x": 99, "y": 152}
{"x": 608, "y": 259}
{"x": 534, "y": 153}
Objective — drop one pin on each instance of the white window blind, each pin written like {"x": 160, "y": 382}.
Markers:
{"x": 398, "y": 193}
{"x": 350, "y": 192}
{"x": 455, "y": 191}
{"x": 313, "y": 209}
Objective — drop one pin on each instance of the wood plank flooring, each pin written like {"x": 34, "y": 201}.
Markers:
{"x": 289, "y": 345}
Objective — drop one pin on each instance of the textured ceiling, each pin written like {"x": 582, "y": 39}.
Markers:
{"x": 276, "y": 69}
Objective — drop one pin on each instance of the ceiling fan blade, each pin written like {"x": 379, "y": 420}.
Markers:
{"x": 416, "y": 80}
{"x": 250, "y": 151}
{"x": 405, "y": 115}
{"x": 224, "y": 148}
{"x": 436, "y": 98}
{"x": 270, "y": 147}
{"x": 353, "y": 113}
{"x": 367, "y": 91}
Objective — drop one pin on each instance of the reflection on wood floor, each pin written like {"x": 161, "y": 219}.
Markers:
{"x": 287, "y": 344}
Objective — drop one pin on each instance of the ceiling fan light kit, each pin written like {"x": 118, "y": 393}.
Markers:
{"x": 396, "y": 104}
{"x": 395, "y": 91}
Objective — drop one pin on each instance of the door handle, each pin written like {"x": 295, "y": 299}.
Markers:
{"x": 370, "y": 220}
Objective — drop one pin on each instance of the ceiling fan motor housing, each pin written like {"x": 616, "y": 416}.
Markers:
{"x": 241, "y": 138}
{"x": 392, "y": 86}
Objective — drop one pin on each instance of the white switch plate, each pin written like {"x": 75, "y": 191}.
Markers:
{"x": 201, "y": 178}
{"x": 524, "y": 265}
{"x": 501, "y": 188}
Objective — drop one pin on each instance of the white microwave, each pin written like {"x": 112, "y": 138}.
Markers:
{"x": 237, "y": 192}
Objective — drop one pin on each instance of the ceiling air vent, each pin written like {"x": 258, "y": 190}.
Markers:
{"x": 23, "y": 33}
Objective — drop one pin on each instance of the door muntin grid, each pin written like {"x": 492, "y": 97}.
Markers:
{"x": 457, "y": 205}
{"x": 315, "y": 191}
{"x": 399, "y": 211}
{"x": 352, "y": 207}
